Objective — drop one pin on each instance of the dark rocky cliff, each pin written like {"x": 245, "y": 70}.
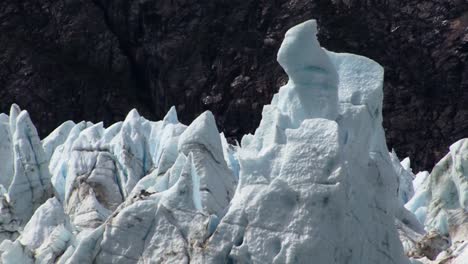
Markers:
{"x": 97, "y": 59}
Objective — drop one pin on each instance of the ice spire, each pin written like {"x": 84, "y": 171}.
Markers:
{"x": 312, "y": 90}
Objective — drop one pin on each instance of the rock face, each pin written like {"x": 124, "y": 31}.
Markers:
{"x": 62, "y": 58}
{"x": 315, "y": 182}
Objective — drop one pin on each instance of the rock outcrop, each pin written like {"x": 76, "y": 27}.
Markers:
{"x": 59, "y": 59}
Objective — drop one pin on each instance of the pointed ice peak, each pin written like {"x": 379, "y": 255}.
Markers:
{"x": 89, "y": 137}
{"x": 133, "y": 114}
{"x": 111, "y": 132}
{"x": 202, "y": 131}
{"x": 4, "y": 117}
{"x": 312, "y": 89}
{"x": 14, "y": 112}
{"x": 23, "y": 121}
{"x": 30, "y": 185}
{"x": 171, "y": 116}
{"x": 419, "y": 179}
{"x": 97, "y": 128}
{"x": 61, "y": 131}
{"x": 406, "y": 163}
{"x": 75, "y": 132}
{"x": 6, "y": 154}
{"x": 300, "y": 55}
{"x": 57, "y": 138}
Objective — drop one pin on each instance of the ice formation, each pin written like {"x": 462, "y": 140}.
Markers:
{"x": 315, "y": 183}
{"x": 440, "y": 202}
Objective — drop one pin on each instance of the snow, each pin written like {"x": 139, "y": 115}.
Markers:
{"x": 315, "y": 182}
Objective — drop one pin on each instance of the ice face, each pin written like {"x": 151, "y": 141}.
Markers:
{"x": 312, "y": 88}
{"x": 30, "y": 183}
{"x": 302, "y": 171}
{"x": 440, "y": 204}
{"x": 405, "y": 177}
{"x": 443, "y": 194}
{"x": 441, "y": 198}
{"x": 57, "y": 138}
{"x": 6, "y": 151}
{"x": 315, "y": 182}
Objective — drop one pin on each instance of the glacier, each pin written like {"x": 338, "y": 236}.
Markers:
{"x": 440, "y": 202}
{"x": 315, "y": 183}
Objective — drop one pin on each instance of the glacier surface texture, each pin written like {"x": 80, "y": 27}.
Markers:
{"x": 315, "y": 183}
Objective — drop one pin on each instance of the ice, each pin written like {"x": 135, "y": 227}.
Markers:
{"x": 56, "y": 138}
{"x": 99, "y": 172}
{"x": 14, "y": 252}
{"x": 155, "y": 226}
{"x": 300, "y": 177}
{"x": 441, "y": 201}
{"x": 43, "y": 239}
{"x": 132, "y": 152}
{"x": 203, "y": 132}
{"x": 230, "y": 155}
{"x": 53, "y": 249}
{"x": 58, "y": 164}
{"x": 405, "y": 176}
{"x": 171, "y": 116}
{"x": 217, "y": 182}
{"x": 46, "y": 218}
{"x": 444, "y": 193}
{"x": 6, "y": 151}
{"x": 312, "y": 88}
{"x": 30, "y": 184}
{"x": 314, "y": 183}
{"x": 9, "y": 224}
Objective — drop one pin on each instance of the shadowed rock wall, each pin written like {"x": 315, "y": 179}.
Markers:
{"x": 97, "y": 59}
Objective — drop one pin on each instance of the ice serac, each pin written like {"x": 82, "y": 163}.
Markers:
{"x": 132, "y": 152}
{"x": 314, "y": 183}
{"x": 43, "y": 239}
{"x": 24, "y": 177}
{"x": 170, "y": 214}
{"x": 316, "y": 176}
{"x": 441, "y": 204}
{"x": 6, "y": 151}
{"x": 216, "y": 182}
{"x": 30, "y": 183}
{"x": 405, "y": 177}
{"x": 9, "y": 224}
{"x": 56, "y": 138}
{"x": 312, "y": 88}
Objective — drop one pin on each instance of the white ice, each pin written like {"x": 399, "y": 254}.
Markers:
{"x": 314, "y": 183}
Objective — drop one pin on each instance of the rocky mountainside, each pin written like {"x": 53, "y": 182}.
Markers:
{"x": 97, "y": 59}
